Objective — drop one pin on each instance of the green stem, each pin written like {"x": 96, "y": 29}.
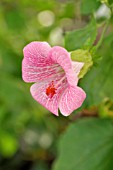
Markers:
{"x": 102, "y": 35}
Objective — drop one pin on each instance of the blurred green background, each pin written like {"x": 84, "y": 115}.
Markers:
{"x": 28, "y": 132}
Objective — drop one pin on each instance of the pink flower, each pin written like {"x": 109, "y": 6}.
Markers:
{"x": 56, "y": 77}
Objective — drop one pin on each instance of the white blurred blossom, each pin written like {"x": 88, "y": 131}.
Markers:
{"x": 46, "y": 18}
{"x": 103, "y": 11}
{"x": 56, "y": 36}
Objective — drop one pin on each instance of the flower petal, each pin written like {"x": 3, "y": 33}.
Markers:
{"x": 38, "y": 91}
{"x": 37, "y": 64}
{"x": 71, "y": 99}
{"x": 77, "y": 66}
{"x": 73, "y": 79}
{"x": 62, "y": 57}
{"x": 35, "y": 74}
{"x": 37, "y": 53}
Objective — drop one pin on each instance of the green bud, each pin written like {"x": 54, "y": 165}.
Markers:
{"x": 84, "y": 56}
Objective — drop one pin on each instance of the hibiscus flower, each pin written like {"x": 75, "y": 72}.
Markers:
{"x": 55, "y": 77}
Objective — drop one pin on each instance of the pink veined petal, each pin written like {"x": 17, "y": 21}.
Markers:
{"x": 38, "y": 91}
{"x": 35, "y": 73}
{"x": 62, "y": 57}
{"x": 37, "y": 65}
{"x": 77, "y": 66}
{"x": 71, "y": 99}
{"x": 72, "y": 77}
{"x": 37, "y": 53}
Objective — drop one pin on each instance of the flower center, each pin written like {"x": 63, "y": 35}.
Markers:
{"x": 50, "y": 91}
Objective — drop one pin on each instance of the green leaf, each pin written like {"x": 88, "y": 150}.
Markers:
{"x": 110, "y": 2}
{"x": 89, "y": 6}
{"x": 81, "y": 37}
{"x": 87, "y": 145}
{"x": 8, "y": 144}
{"x": 68, "y": 10}
{"x": 14, "y": 20}
{"x": 98, "y": 83}
{"x": 85, "y": 57}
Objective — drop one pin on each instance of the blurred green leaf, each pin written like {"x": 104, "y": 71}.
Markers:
{"x": 87, "y": 145}
{"x": 8, "y": 144}
{"x": 14, "y": 19}
{"x": 68, "y": 9}
{"x": 98, "y": 81}
{"x": 89, "y": 6}
{"x": 79, "y": 38}
{"x": 12, "y": 91}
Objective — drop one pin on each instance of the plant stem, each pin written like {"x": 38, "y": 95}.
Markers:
{"x": 102, "y": 35}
